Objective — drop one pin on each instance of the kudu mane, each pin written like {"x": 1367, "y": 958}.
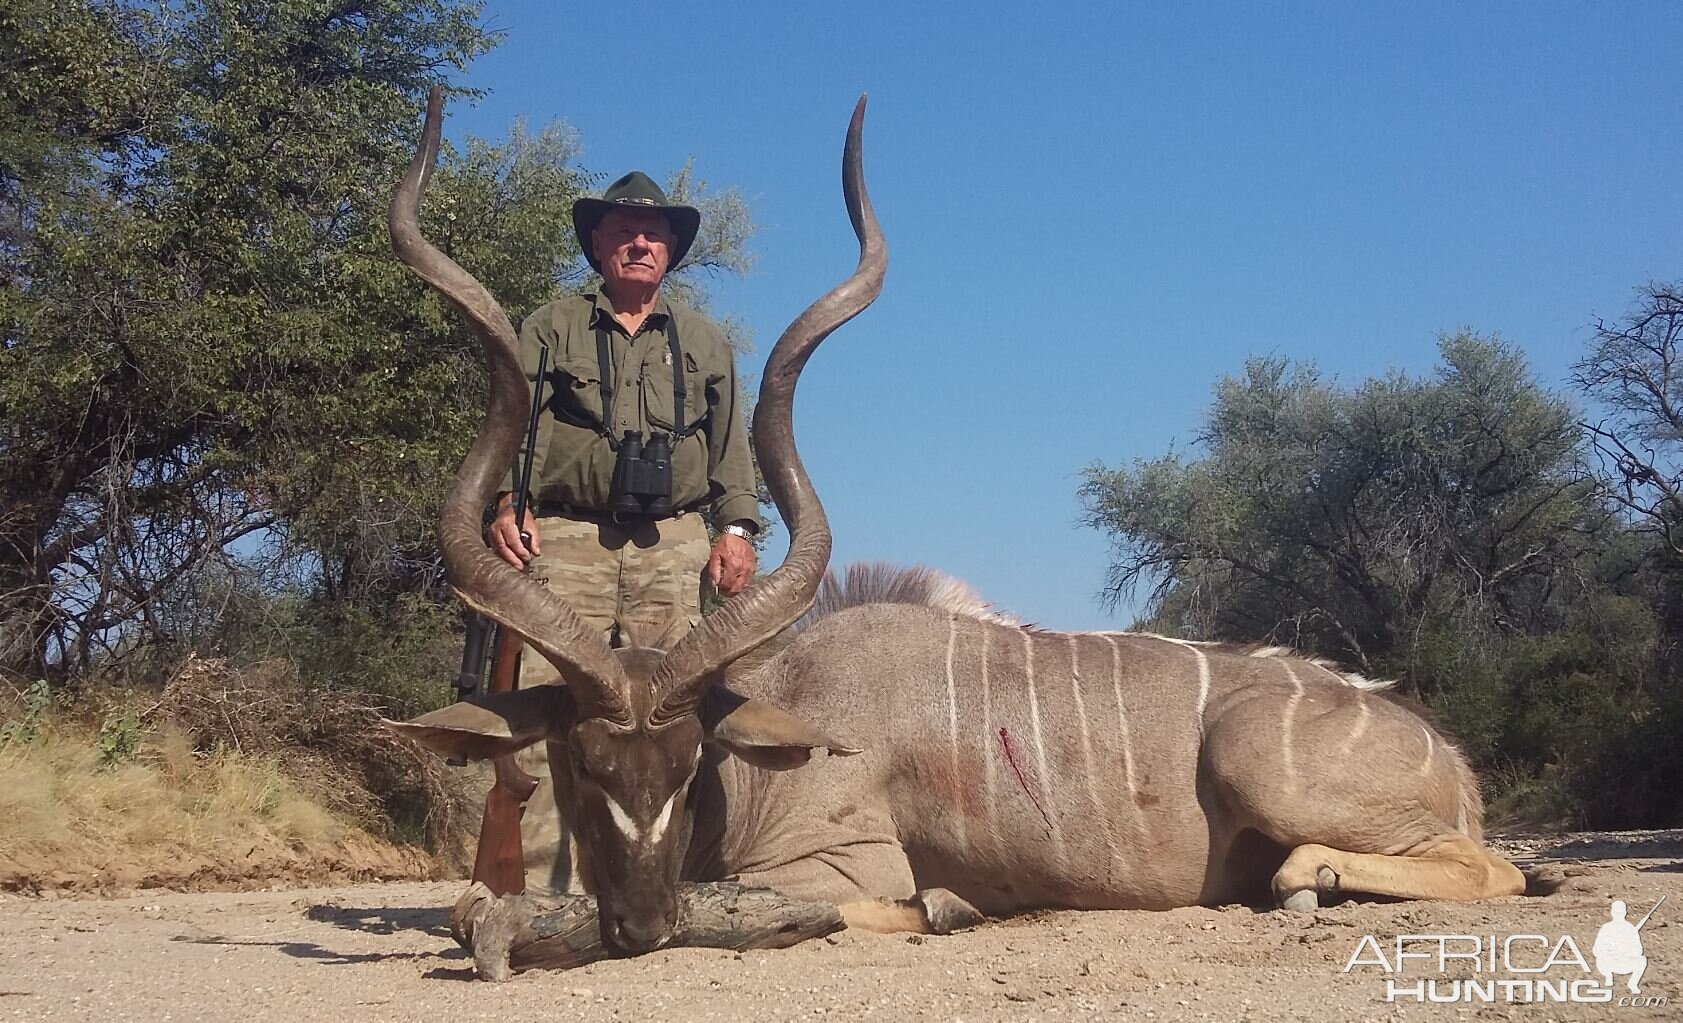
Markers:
{"x": 876, "y": 582}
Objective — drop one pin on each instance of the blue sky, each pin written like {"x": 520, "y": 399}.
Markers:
{"x": 1094, "y": 210}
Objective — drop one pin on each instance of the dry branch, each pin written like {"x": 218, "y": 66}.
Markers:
{"x": 515, "y": 933}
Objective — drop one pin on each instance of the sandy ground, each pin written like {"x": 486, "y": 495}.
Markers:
{"x": 383, "y": 952}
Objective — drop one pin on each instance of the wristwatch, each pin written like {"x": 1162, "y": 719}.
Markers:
{"x": 739, "y": 529}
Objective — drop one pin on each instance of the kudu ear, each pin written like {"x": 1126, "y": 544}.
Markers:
{"x": 760, "y": 733}
{"x": 492, "y": 726}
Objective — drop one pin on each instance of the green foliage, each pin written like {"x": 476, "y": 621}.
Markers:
{"x": 25, "y": 729}
{"x": 1439, "y": 530}
{"x": 227, "y": 412}
{"x": 204, "y": 335}
{"x": 400, "y": 652}
{"x": 1343, "y": 519}
{"x": 195, "y": 291}
{"x": 119, "y": 738}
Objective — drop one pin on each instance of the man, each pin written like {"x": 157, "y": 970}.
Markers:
{"x": 635, "y": 575}
{"x": 625, "y": 358}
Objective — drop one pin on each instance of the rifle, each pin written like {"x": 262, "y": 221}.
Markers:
{"x": 474, "y": 652}
{"x": 500, "y": 861}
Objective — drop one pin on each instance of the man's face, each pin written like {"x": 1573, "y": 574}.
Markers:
{"x": 634, "y": 247}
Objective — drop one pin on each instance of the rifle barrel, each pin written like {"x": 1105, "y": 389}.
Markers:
{"x": 1651, "y": 912}
{"x": 524, "y": 482}
{"x": 475, "y": 650}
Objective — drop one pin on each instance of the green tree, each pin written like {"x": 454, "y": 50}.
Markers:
{"x": 204, "y": 337}
{"x": 1346, "y": 520}
{"x": 1441, "y": 530}
{"x": 191, "y": 192}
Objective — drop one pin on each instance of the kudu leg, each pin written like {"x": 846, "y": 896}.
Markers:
{"x": 1451, "y": 868}
{"x": 869, "y": 878}
{"x": 930, "y": 911}
{"x": 1362, "y": 793}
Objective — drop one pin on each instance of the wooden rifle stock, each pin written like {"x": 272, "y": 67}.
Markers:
{"x": 500, "y": 862}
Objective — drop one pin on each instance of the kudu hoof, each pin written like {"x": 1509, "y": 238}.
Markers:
{"x": 945, "y": 913}
{"x": 1307, "y": 900}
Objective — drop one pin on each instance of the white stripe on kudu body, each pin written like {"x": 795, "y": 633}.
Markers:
{"x": 990, "y": 771}
{"x": 1040, "y": 751}
{"x": 952, "y": 725}
{"x": 1122, "y": 723}
{"x": 1203, "y": 676}
{"x": 1051, "y": 809}
{"x": 1288, "y": 720}
{"x": 1348, "y": 746}
{"x": 1087, "y": 749}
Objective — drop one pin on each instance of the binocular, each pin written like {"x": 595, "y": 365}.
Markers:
{"x": 642, "y": 483}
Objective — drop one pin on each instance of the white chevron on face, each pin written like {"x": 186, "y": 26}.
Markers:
{"x": 631, "y": 829}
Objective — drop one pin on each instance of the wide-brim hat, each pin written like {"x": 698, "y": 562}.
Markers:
{"x": 639, "y": 192}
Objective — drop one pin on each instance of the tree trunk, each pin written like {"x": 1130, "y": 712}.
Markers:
{"x": 515, "y": 933}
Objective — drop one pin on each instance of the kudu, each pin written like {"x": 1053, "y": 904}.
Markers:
{"x": 629, "y": 725}
{"x": 1008, "y": 768}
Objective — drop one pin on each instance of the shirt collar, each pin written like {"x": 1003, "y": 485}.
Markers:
{"x": 602, "y": 313}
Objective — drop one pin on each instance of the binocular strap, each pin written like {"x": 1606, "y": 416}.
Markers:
{"x": 604, "y": 360}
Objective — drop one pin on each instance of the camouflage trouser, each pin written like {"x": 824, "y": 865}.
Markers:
{"x": 640, "y": 584}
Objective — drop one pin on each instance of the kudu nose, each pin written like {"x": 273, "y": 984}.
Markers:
{"x": 635, "y": 938}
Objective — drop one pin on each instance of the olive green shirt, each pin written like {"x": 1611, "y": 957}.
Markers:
{"x": 573, "y": 463}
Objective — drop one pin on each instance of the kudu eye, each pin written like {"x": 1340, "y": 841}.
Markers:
{"x": 581, "y": 768}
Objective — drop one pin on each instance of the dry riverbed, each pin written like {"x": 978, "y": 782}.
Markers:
{"x": 383, "y": 952}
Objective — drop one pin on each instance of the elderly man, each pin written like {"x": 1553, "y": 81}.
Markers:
{"x": 622, "y": 359}
{"x": 628, "y": 367}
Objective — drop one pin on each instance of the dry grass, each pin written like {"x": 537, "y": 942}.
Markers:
{"x": 69, "y": 815}
{"x": 330, "y": 740}
{"x": 228, "y": 777}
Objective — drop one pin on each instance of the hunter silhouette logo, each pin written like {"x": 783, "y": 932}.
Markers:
{"x": 1618, "y": 947}
{"x": 1514, "y": 968}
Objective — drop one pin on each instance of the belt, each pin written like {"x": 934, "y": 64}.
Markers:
{"x": 556, "y": 509}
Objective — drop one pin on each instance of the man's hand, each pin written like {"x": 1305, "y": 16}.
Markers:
{"x": 504, "y": 537}
{"x": 731, "y": 565}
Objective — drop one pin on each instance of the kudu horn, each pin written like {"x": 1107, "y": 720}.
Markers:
{"x": 481, "y": 579}
{"x": 773, "y": 603}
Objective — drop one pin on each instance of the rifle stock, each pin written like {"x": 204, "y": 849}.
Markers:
{"x": 500, "y": 861}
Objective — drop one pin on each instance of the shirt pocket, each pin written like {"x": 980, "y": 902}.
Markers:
{"x": 576, "y": 392}
{"x": 657, "y": 393}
